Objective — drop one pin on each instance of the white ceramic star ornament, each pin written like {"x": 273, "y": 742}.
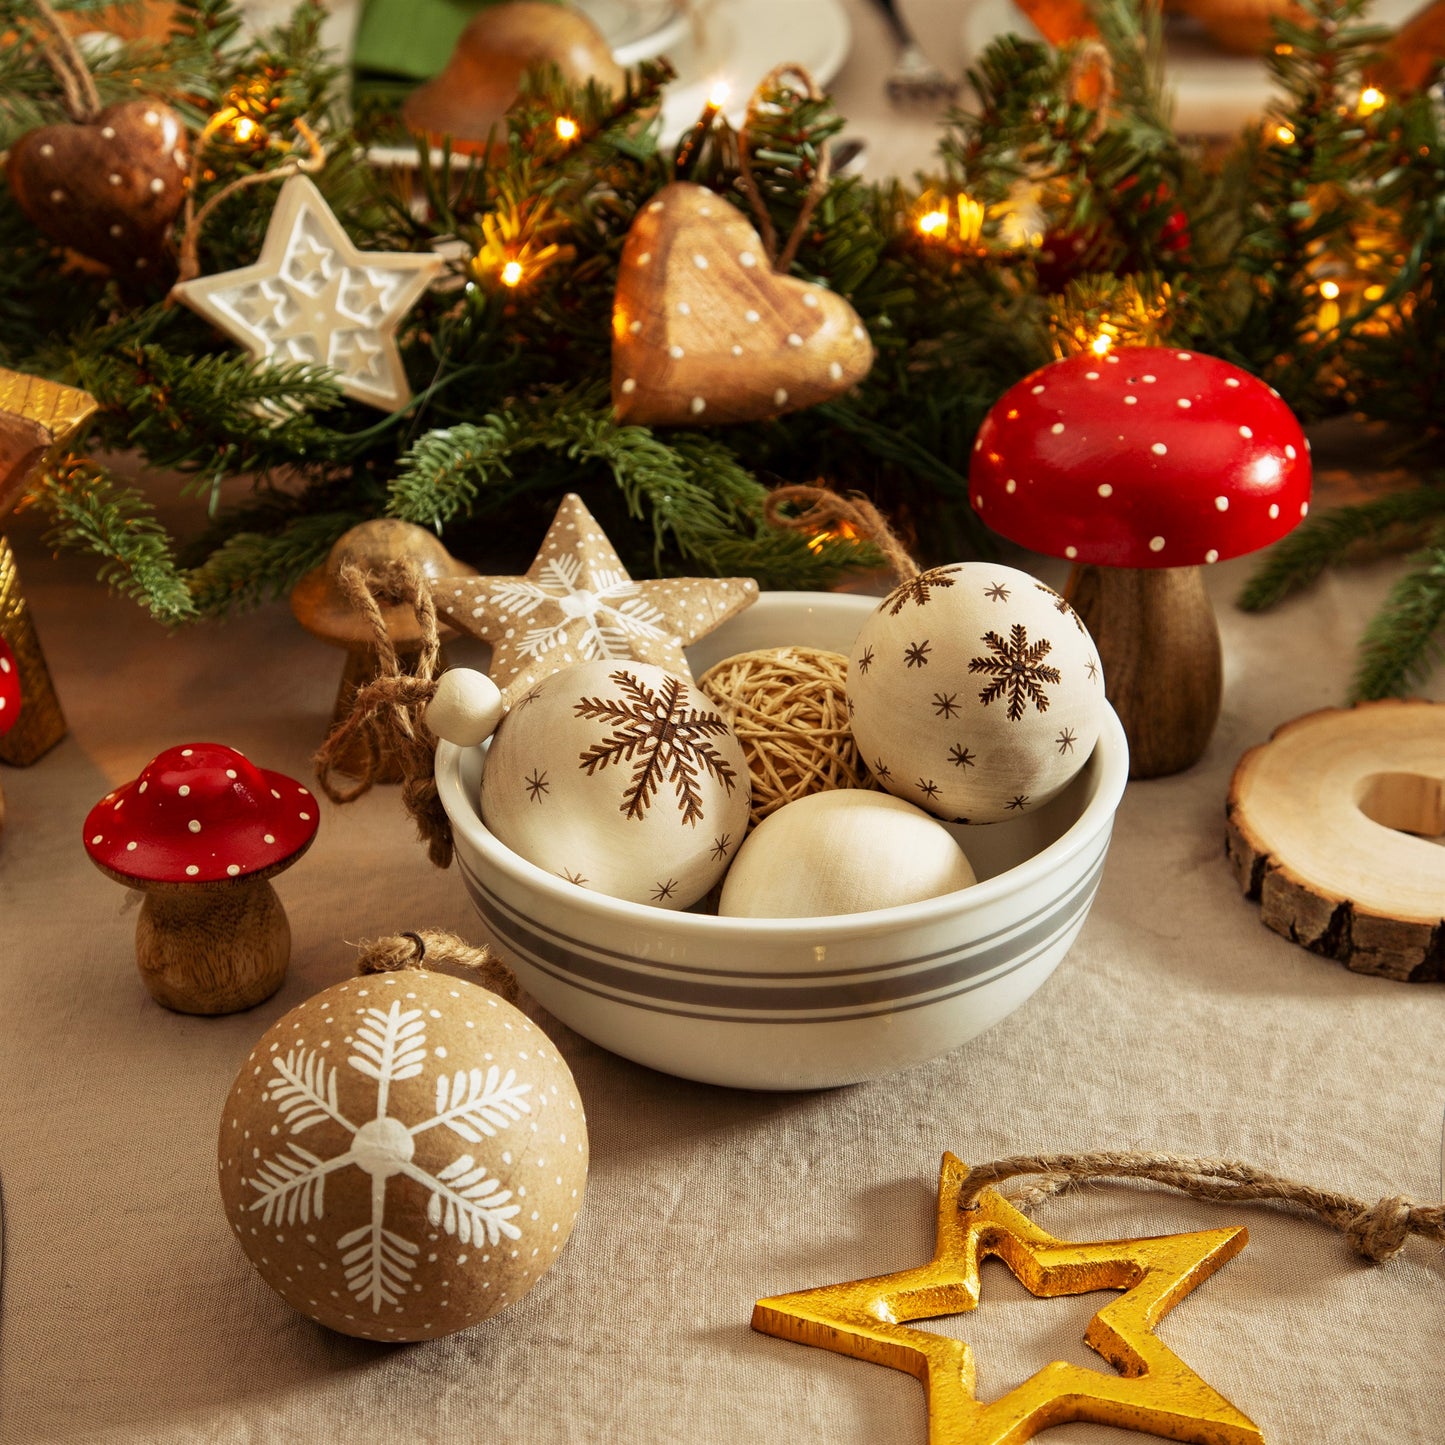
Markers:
{"x": 311, "y": 296}
{"x": 577, "y": 604}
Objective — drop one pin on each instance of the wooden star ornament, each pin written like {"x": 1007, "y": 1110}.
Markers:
{"x": 311, "y": 296}
{"x": 1155, "y": 1392}
{"x": 577, "y": 603}
{"x": 705, "y": 332}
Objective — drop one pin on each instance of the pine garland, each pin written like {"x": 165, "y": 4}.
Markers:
{"x": 1066, "y": 221}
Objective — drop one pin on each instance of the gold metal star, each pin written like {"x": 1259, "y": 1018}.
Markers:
{"x": 312, "y": 296}
{"x": 577, "y": 603}
{"x": 1155, "y": 1391}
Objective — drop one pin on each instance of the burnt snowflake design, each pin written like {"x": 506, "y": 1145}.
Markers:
{"x": 961, "y": 757}
{"x": 1066, "y": 740}
{"x": 1018, "y": 671}
{"x": 865, "y": 661}
{"x": 720, "y": 846}
{"x": 664, "y": 890}
{"x": 537, "y": 785}
{"x": 1018, "y": 803}
{"x": 531, "y": 695}
{"x": 664, "y": 740}
{"x": 1092, "y": 668}
{"x": 945, "y": 704}
{"x": 928, "y": 788}
{"x": 1061, "y": 605}
{"x": 916, "y": 654}
{"x": 881, "y": 770}
{"x": 918, "y": 590}
{"x": 997, "y": 593}
{"x": 572, "y": 877}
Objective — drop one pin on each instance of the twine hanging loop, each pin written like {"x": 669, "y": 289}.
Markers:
{"x": 431, "y": 948}
{"x": 823, "y": 508}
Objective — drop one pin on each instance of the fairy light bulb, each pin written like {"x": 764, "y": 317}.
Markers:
{"x": 1372, "y": 98}
{"x": 566, "y": 128}
{"x": 1329, "y": 290}
{"x": 717, "y": 97}
{"x": 512, "y": 273}
{"x": 1102, "y": 344}
{"x": 1284, "y": 135}
{"x": 933, "y": 223}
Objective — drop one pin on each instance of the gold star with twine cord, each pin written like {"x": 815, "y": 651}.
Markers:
{"x": 1155, "y": 1392}
{"x": 311, "y": 296}
{"x": 577, "y": 603}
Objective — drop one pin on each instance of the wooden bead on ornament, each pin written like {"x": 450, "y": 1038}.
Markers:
{"x": 108, "y": 187}
{"x": 976, "y": 692}
{"x": 621, "y": 778}
{"x": 465, "y": 708}
{"x": 704, "y": 332}
{"x": 845, "y": 851}
{"x": 402, "y": 1156}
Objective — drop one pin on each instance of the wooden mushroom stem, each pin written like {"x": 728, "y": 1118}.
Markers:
{"x": 1159, "y": 647}
{"x": 211, "y": 948}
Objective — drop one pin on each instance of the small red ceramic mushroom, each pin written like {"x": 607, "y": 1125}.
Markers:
{"x": 200, "y": 832}
{"x": 1141, "y": 466}
{"x": 9, "y": 700}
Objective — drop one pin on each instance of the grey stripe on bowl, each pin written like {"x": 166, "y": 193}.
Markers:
{"x": 958, "y": 972}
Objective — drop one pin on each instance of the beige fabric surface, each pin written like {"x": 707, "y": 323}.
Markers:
{"x": 1176, "y": 1022}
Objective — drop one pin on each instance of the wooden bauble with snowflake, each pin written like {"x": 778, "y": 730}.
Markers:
{"x": 402, "y": 1156}
{"x": 704, "y": 332}
{"x": 975, "y": 692}
{"x": 621, "y": 778}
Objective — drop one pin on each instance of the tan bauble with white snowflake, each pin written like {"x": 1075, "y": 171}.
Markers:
{"x": 975, "y": 692}
{"x": 622, "y": 778}
{"x": 403, "y": 1155}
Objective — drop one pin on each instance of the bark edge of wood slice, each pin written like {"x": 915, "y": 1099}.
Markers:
{"x": 1327, "y": 828}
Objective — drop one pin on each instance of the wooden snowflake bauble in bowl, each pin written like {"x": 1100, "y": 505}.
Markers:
{"x": 975, "y": 692}
{"x": 402, "y": 1156}
{"x": 621, "y": 778}
{"x": 108, "y": 187}
{"x": 704, "y": 332}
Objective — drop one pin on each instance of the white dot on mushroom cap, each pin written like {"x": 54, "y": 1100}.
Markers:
{"x": 1221, "y": 504}
{"x": 191, "y": 870}
{"x": 187, "y": 752}
{"x": 130, "y": 847}
{"x": 1231, "y": 381}
{"x": 1159, "y": 449}
{"x": 696, "y": 405}
{"x": 142, "y": 787}
{"x": 98, "y": 838}
{"x": 184, "y": 790}
{"x": 269, "y": 838}
{"x": 305, "y": 817}
{"x": 1131, "y": 400}
{"x": 1036, "y": 390}
{"x": 1091, "y": 376}
{"x": 1150, "y": 378}
{"x": 194, "y": 825}
{"x": 1304, "y": 509}
{"x": 1245, "y": 432}
{"x": 1156, "y": 544}
{"x": 1273, "y": 510}
{"x": 1071, "y": 553}
{"x": 1010, "y": 486}
{"x": 1290, "y": 452}
{"x": 230, "y": 772}
{"x": 1105, "y": 490}
{"x": 1184, "y": 355}
{"x": 1184, "y": 402}
{"x": 233, "y": 869}
{"x": 628, "y": 387}
{"x": 1211, "y": 555}
{"x": 978, "y": 501}
{"x": 1057, "y": 427}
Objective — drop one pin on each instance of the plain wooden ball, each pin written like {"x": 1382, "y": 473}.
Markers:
{"x": 844, "y": 851}
{"x": 402, "y": 1156}
{"x": 466, "y": 707}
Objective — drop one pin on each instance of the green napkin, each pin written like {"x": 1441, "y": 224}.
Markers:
{"x": 410, "y": 39}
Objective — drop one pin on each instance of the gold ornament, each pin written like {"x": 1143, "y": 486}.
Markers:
{"x": 38, "y": 419}
{"x": 311, "y": 296}
{"x": 577, "y": 603}
{"x": 1155, "y": 1392}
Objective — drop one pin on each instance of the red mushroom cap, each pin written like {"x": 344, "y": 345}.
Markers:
{"x": 1144, "y": 457}
{"x": 201, "y": 813}
{"x": 9, "y": 688}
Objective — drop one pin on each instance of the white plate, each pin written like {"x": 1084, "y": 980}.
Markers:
{"x": 739, "y": 42}
{"x": 638, "y": 29}
{"x": 1215, "y": 93}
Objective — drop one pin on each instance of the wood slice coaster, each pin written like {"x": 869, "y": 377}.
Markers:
{"x": 1329, "y": 826}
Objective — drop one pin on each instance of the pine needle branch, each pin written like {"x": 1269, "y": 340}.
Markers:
{"x": 1403, "y": 642}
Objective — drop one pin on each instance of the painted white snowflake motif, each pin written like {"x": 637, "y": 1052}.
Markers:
{"x": 610, "y": 609}
{"x": 465, "y": 1201}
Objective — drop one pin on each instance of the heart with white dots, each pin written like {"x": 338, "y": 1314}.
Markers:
{"x": 705, "y": 332}
{"x": 108, "y": 187}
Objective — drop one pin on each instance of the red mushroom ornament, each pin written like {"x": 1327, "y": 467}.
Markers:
{"x": 200, "y": 832}
{"x": 9, "y": 701}
{"x": 1141, "y": 466}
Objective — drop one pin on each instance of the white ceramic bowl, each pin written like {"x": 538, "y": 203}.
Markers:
{"x": 797, "y": 1003}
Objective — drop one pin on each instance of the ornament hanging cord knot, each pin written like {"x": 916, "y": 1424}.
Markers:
{"x": 430, "y": 948}
{"x": 823, "y": 509}
{"x": 1377, "y": 1231}
{"x": 386, "y": 716}
{"x": 62, "y": 55}
{"x": 817, "y": 188}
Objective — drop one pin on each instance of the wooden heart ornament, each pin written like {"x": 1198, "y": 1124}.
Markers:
{"x": 108, "y": 187}
{"x": 705, "y": 332}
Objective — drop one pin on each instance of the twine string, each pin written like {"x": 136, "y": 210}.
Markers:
{"x": 195, "y": 220}
{"x": 781, "y": 261}
{"x": 1377, "y": 1231}
{"x": 823, "y": 509}
{"x": 428, "y": 948}
{"x": 62, "y": 55}
{"x": 1090, "y": 82}
{"x": 386, "y": 716}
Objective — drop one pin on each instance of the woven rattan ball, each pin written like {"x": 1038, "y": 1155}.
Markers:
{"x": 789, "y": 707}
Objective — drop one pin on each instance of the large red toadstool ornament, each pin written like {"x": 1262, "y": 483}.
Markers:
{"x": 1140, "y": 467}
{"x": 201, "y": 832}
